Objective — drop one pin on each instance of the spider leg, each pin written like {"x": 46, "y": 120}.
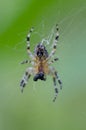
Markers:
{"x": 25, "y": 62}
{"x": 28, "y": 43}
{"x": 54, "y": 43}
{"x": 25, "y": 78}
{"x": 56, "y": 89}
{"x": 52, "y": 72}
{"x": 59, "y": 80}
{"x": 56, "y": 38}
{"x": 54, "y": 60}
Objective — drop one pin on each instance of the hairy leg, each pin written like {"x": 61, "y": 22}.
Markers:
{"x": 25, "y": 62}
{"x": 54, "y": 43}
{"x": 55, "y": 76}
{"x": 55, "y": 88}
{"x": 25, "y": 78}
{"x": 28, "y": 43}
{"x": 59, "y": 80}
{"x": 52, "y": 73}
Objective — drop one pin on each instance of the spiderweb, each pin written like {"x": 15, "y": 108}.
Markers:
{"x": 47, "y": 38}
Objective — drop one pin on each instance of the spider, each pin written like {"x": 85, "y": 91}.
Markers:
{"x": 41, "y": 63}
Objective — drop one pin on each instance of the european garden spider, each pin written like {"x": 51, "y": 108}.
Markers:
{"x": 41, "y": 63}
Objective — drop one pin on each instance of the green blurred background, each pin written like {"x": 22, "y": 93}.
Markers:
{"x": 34, "y": 109}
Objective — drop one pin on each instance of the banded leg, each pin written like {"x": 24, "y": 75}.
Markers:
{"x": 25, "y": 62}
{"x": 52, "y": 72}
{"x": 59, "y": 81}
{"x": 56, "y": 89}
{"x": 54, "y": 60}
{"x": 55, "y": 42}
{"x": 28, "y": 43}
{"x": 25, "y": 78}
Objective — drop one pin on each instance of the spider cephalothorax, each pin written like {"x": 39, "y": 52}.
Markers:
{"x": 40, "y": 51}
{"x": 41, "y": 63}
